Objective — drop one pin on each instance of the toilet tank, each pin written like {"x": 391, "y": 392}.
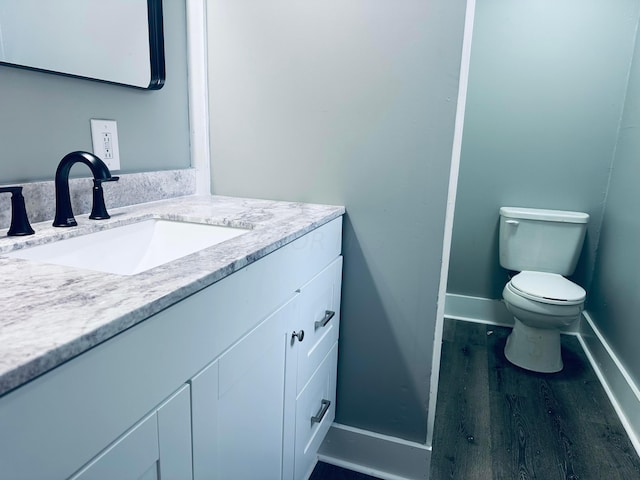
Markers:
{"x": 541, "y": 240}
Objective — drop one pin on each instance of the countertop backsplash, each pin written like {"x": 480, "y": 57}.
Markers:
{"x": 131, "y": 189}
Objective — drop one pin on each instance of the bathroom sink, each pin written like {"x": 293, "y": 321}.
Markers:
{"x": 130, "y": 249}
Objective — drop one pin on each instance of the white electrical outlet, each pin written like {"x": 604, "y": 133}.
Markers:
{"x": 104, "y": 135}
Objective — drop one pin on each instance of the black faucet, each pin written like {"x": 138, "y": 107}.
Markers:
{"x": 19, "y": 220}
{"x": 64, "y": 214}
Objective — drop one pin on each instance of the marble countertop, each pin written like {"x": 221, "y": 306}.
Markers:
{"x": 50, "y": 314}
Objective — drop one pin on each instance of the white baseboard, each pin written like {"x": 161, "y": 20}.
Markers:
{"x": 485, "y": 310}
{"x": 618, "y": 384}
{"x": 477, "y": 309}
{"x": 371, "y": 453}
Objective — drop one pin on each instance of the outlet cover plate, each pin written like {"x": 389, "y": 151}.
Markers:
{"x": 104, "y": 136}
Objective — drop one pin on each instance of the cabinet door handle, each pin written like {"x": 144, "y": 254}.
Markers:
{"x": 328, "y": 315}
{"x": 324, "y": 406}
{"x": 299, "y": 335}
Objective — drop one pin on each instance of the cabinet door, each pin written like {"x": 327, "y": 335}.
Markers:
{"x": 159, "y": 446}
{"x": 237, "y": 407}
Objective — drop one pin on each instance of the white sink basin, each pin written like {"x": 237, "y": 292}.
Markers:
{"x": 130, "y": 249}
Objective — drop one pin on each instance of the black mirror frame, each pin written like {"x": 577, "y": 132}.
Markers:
{"x": 156, "y": 44}
{"x": 156, "y": 53}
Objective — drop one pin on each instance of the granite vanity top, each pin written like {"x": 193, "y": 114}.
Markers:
{"x": 51, "y": 313}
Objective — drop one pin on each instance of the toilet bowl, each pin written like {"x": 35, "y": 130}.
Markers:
{"x": 541, "y": 303}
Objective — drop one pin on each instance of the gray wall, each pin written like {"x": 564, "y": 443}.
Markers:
{"x": 351, "y": 103}
{"x": 546, "y": 92}
{"x": 613, "y": 301}
{"x": 44, "y": 116}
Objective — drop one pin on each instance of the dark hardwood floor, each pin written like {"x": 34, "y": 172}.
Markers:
{"x": 324, "y": 471}
{"x": 495, "y": 421}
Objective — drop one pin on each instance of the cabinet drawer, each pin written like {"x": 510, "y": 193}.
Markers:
{"x": 319, "y": 318}
{"x": 315, "y": 411}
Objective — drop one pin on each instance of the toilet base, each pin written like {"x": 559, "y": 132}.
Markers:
{"x": 534, "y": 349}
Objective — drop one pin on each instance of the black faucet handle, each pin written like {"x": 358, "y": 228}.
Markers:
{"x": 98, "y": 181}
{"x": 98, "y": 209}
{"x": 19, "y": 219}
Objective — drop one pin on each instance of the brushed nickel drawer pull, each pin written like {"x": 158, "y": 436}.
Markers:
{"x": 299, "y": 335}
{"x": 325, "y": 404}
{"x": 328, "y": 315}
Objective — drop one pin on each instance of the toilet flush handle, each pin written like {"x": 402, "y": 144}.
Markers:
{"x": 512, "y": 222}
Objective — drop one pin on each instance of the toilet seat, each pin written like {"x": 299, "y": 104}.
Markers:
{"x": 549, "y": 288}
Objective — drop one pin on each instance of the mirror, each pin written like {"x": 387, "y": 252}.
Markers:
{"x": 119, "y": 41}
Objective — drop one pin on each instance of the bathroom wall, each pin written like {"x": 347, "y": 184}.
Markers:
{"x": 546, "y": 91}
{"x": 613, "y": 302}
{"x": 45, "y": 116}
{"x": 351, "y": 103}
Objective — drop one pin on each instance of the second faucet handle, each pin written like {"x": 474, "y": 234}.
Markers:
{"x": 99, "y": 210}
{"x": 19, "y": 219}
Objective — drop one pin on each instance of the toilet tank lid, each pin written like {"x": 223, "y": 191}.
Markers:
{"x": 544, "y": 215}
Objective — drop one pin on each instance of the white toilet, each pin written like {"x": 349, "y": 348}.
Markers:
{"x": 543, "y": 245}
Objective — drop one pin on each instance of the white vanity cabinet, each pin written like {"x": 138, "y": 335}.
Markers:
{"x": 261, "y": 410}
{"x": 211, "y": 387}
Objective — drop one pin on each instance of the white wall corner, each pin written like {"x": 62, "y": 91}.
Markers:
{"x": 198, "y": 98}
{"x": 382, "y": 456}
{"x": 456, "y": 150}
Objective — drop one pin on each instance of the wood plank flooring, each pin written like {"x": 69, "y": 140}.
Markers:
{"x": 324, "y": 471}
{"x": 495, "y": 421}
{"x": 498, "y": 421}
